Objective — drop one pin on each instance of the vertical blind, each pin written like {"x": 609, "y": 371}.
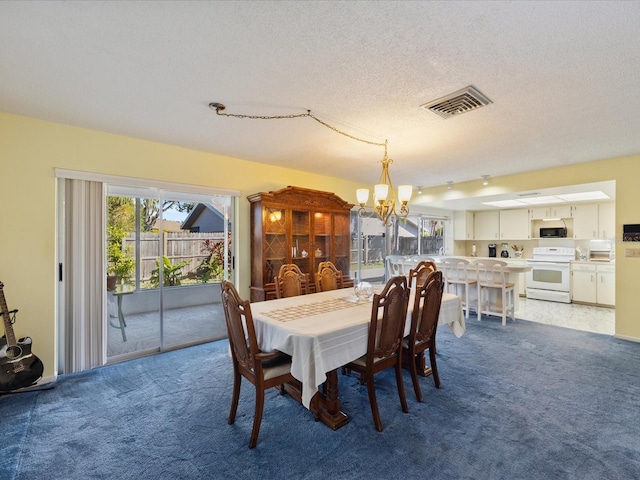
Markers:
{"x": 84, "y": 325}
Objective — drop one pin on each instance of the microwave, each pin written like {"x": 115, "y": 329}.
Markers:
{"x": 553, "y": 232}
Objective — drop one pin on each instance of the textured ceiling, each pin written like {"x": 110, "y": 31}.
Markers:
{"x": 562, "y": 76}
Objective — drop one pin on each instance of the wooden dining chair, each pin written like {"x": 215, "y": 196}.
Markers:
{"x": 384, "y": 347}
{"x": 421, "y": 271}
{"x": 424, "y": 322}
{"x": 290, "y": 281}
{"x": 328, "y": 277}
{"x": 263, "y": 370}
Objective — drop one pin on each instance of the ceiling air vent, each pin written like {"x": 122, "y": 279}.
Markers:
{"x": 455, "y": 103}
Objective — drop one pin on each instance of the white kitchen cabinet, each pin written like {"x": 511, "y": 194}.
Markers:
{"x": 607, "y": 220}
{"x": 463, "y": 225}
{"x": 583, "y": 283}
{"x": 606, "y": 289}
{"x": 544, "y": 213}
{"x": 486, "y": 225}
{"x": 585, "y": 221}
{"x": 515, "y": 224}
{"x": 591, "y": 283}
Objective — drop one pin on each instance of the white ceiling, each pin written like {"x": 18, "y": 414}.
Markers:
{"x": 563, "y": 78}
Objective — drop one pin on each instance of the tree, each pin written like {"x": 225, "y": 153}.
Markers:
{"x": 121, "y": 213}
{"x": 150, "y": 210}
{"x": 120, "y": 221}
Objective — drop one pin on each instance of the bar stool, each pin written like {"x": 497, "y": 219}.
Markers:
{"x": 491, "y": 276}
{"x": 461, "y": 278}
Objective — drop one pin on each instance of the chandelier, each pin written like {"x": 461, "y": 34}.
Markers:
{"x": 384, "y": 195}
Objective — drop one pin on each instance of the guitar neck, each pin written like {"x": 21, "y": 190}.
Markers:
{"x": 8, "y": 328}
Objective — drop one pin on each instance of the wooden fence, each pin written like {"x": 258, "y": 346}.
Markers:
{"x": 178, "y": 247}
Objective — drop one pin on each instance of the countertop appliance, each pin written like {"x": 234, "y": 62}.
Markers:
{"x": 505, "y": 250}
{"x": 492, "y": 250}
{"x": 553, "y": 232}
{"x": 600, "y": 251}
{"x": 550, "y": 274}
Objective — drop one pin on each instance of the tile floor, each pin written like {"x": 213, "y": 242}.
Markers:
{"x": 570, "y": 315}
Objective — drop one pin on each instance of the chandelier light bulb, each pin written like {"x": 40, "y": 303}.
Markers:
{"x": 381, "y": 191}
{"x": 362, "y": 195}
{"x": 404, "y": 193}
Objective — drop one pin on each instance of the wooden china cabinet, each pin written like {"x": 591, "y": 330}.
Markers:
{"x": 297, "y": 225}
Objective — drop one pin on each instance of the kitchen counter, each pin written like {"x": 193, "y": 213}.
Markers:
{"x": 515, "y": 265}
{"x": 593, "y": 262}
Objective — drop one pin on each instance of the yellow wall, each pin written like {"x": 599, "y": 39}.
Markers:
{"x": 30, "y": 150}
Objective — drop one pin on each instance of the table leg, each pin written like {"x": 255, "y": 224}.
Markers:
{"x": 325, "y": 405}
{"x": 121, "y": 322}
{"x": 421, "y": 363}
{"x": 121, "y": 319}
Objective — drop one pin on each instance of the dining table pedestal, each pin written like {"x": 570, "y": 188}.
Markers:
{"x": 421, "y": 363}
{"x": 325, "y": 404}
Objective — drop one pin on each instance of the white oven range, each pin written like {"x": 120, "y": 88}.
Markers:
{"x": 550, "y": 274}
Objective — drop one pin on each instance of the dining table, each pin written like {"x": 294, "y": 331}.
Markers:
{"x": 324, "y": 331}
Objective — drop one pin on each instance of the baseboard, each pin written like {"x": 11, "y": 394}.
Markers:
{"x": 627, "y": 338}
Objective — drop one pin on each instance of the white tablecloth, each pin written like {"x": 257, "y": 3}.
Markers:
{"x": 326, "y": 330}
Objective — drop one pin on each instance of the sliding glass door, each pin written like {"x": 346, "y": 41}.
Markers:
{"x": 166, "y": 255}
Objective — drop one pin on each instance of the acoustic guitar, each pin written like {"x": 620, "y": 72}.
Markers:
{"x": 19, "y": 368}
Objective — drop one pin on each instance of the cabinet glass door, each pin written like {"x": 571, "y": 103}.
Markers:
{"x": 342, "y": 242}
{"x": 321, "y": 238}
{"x": 300, "y": 244}
{"x": 275, "y": 242}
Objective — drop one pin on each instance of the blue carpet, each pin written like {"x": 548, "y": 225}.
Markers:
{"x": 525, "y": 401}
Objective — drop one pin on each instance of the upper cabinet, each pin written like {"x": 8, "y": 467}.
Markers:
{"x": 487, "y": 225}
{"x": 515, "y": 224}
{"x": 296, "y": 225}
{"x": 582, "y": 221}
{"x": 546, "y": 213}
{"x": 585, "y": 221}
{"x": 607, "y": 220}
{"x": 463, "y": 225}
{"x": 594, "y": 221}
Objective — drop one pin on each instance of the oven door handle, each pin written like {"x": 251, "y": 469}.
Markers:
{"x": 542, "y": 263}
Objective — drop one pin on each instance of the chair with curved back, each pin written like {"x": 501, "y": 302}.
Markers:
{"x": 421, "y": 271}
{"x": 424, "y": 323}
{"x": 458, "y": 279}
{"x": 328, "y": 277}
{"x": 290, "y": 281}
{"x": 492, "y": 277}
{"x": 384, "y": 347}
{"x": 264, "y": 370}
{"x": 394, "y": 265}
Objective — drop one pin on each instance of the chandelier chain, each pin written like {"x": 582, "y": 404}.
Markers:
{"x": 385, "y": 208}
{"x": 299, "y": 115}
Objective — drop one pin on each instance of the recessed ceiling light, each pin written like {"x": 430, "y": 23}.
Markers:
{"x": 541, "y": 200}
{"x": 576, "y": 197}
{"x": 505, "y": 203}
